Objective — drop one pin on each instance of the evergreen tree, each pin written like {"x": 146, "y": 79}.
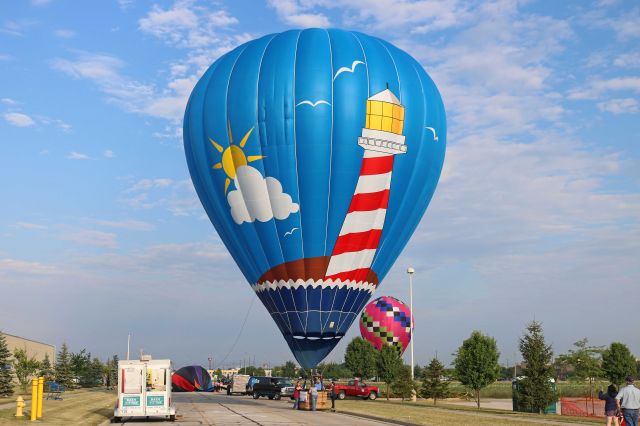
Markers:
{"x": 402, "y": 385}
{"x": 112, "y": 379}
{"x": 46, "y": 370}
{"x": 63, "y": 373}
{"x": 24, "y": 367}
{"x": 389, "y": 364}
{"x": 432, "y": 384}
{"x": 536, "y": 390}
{"x": 6, "y": 378}
{"x": 618, "y": 362}
{"x": 476, "y": 363}
{"x": 360, "y": 357}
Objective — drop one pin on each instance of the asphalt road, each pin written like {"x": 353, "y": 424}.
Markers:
{"x": 220, "y": 409}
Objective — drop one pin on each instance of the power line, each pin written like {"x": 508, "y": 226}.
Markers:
{"x": 239, "y": 333}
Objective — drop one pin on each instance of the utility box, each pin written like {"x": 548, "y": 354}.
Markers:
{"x": 144, "y": 389}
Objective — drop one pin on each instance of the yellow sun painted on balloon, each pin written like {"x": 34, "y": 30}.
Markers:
{"x": 233, "y": 157}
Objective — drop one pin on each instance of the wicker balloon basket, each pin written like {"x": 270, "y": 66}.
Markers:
{"x": 324, "y": 401}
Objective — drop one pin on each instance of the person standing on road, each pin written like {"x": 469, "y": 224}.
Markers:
{"x": 333, "y": 395}
{"x": 629, "y": 400}
{"x": 313, "y": 391}
{"x": 610, "y": 406}
{"x": 296, "y": 395}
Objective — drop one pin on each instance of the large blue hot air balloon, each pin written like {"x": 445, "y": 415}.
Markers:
{"x": 315, "y": 154}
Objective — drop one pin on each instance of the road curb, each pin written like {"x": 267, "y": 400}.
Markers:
{"x": 380, "y": 419}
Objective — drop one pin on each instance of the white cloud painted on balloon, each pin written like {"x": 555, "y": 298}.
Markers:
{"x": 258, "y": 198}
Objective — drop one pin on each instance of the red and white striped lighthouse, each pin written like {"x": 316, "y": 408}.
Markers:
{"x": 361, "y": 230}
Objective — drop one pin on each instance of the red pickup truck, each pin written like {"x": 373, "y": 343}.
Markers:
{"x": 357, "y": 388}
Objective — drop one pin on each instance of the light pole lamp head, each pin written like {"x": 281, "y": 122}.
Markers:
{"x": 410, "y": 270}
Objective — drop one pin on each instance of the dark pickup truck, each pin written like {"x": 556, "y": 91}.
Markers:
{"x": 271, "y": 387}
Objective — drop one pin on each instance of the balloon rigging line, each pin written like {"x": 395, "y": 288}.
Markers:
{"x": 239, "y": 333}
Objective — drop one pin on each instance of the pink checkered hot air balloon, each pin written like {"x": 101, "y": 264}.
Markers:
{"x": 386, "y": 321}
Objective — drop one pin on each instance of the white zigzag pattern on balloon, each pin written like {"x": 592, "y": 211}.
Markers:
{"x": 295, "y": 284}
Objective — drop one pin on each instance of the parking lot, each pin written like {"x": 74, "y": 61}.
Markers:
{"x": 219, "y": 409}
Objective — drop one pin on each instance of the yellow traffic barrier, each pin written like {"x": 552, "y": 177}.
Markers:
{"x": 40, "y": 392}
{"x": 19, "y": 406}
{"x": 34, "y": 399}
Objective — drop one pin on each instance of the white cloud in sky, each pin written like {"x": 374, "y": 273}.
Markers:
{"x": 9, "y": 101}
{"x": 19, "y": 119}
{"x": 130, "y": 224}
{"x": 185, "y": 24}
{"x": 146, "y": 184}
{"x": 107, "y": 153}
{"x": 619, "y": 106}
{"x": 29, "y": 225}
{"x": 91, "y": 237}
{"x": 628, "y": 60}
{"x": 257, "y": 197}
{"x": 14, "y": 266}
{"x": 596, "y": 88}
{"x": 73, "y": 155}
{"x": 62, "y": 33}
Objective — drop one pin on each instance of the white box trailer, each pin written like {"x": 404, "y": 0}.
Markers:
{"x": 238, "y": 384}
{"x": 144, "y": 389}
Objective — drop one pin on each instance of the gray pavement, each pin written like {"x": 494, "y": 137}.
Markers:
{"x": 220, "y": 409}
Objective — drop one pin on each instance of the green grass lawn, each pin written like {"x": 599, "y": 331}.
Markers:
{"x": 424, "y": 413}
{"x": 78, "y": 407}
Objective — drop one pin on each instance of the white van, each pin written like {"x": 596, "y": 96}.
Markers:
{"x": 144, "y": 389}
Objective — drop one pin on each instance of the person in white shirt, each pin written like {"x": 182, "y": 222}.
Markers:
{"x": 628, "y": 399}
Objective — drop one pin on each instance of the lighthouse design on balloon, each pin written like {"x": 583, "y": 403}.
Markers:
{"x": 360, "y": 234}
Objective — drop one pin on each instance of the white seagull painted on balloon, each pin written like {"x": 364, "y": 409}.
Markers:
{"x": 313, "y": 104}
{"x": 290, "y": 232}
{"x": 347, "y": 69}
{"x": 435, "y": 136}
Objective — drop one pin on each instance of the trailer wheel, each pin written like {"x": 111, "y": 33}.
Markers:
{"x": 172, "y": 418}
{"x": 116, "y": 420}
{"x": 342, "y": 395}
{"x": 256, "y": 395}
{"x": 276, "y": 396}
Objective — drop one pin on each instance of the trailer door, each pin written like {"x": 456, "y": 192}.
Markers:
{"x": 132, "y": 386}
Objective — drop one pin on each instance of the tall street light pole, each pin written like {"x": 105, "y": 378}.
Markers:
{"x": 410, "y": 271}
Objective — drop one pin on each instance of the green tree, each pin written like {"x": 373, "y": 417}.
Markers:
{"x": 96, "y": 370}
{"x": 418, "y": 371}
{"x": 360, "y": 357}
{"x": 536, "y": 390}
{"x": 432, "y": 384}
{"x": 62, "y": 369}
{"x": 476, "y": 363}
{"x": 289, "y": 369}
{"x": 46, "y": 370}
{"x": 6, "y": 379}
{"x": 585, "y": 361}
{"x": 24, "y": 367}
{"x": 402, "y": 385}
{"x": 389, "y": 364}
{"x": 617, "y": 363}
{"x": 112, "y": 378}
{"x": 253, "y": 371}
{"x": 334, "y": 370}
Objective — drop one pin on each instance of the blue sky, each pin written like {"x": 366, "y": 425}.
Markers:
{"x": 536, "y": 214}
